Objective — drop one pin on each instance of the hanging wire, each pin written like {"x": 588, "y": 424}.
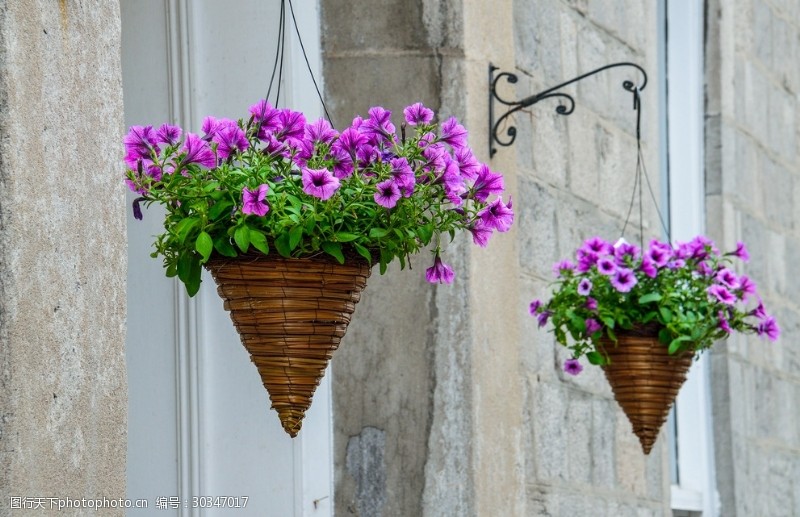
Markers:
{"x": 280, "y": 51}
{"x": 641, "y": 173}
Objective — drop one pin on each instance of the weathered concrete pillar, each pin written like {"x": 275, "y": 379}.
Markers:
{"x": 62, "y": 253}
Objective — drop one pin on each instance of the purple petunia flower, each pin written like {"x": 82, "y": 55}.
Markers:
{"x": 659, "y": 255}
{"x": 137, "y": 209}
{"x": 704, "y": 268}
{"x": 265, "y": 115}
{"x": 498, "y": 215}
{"x": 350, "y": 141}
{"x": 722, "y": 294}
{"x": 198, "y": 151}
{"x": 676, "y": 264}
{"x": 728, "y": 278}
{"x": 319, "y": 183}
{"x": 769, "y": 327}
{"x": 417, "y": 114}
{"x": 480, "y": 233}
{"x": 591, "y": 304}
{"x": 723, "y": 322}
{"x": 230, "y": 140}
{"x": 487, "y": 183}
{"x": 453, "y": 133}
{"x": 439, "y": 272}
{"x": 747, "y": 287}
{"x": 168, "y": 134}
{"x": 378, "y": 127}
{"x": 606, "y": 266}
{"x": 253, "y": 200}
{"x": 592, "y": 326}
{"x": 139, "y": 142}
{"x": 584, "y": 288}
{"x": 468, "y": 164}
{"x": 586, "y": 259}
{"x": 623, "y": 280}
{"x": 648, "y": 268}
{"x": 623, "y": 250}
{"x": 320, "y": 132}
{"x": 741, "y": 252}
{"x": 342, "y": 163}
{"x": 562, "y": 266}
{"x": 388, "y": 193}
{"x": 403, "y": 175}
{"x": 290, "y": 124}
{"x": 759, "y": 311}
{"x": 533, "y": 308}
{"x": 573, "y": 366}
{"x": 542, "y": 318}
{"x": 597, "y": 245}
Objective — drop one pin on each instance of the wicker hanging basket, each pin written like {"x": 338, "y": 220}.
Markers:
{"x": 291, "y": 315}
{"x": 645, "y": 379}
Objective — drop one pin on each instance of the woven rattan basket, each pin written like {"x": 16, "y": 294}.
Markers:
{"x": 645, "y": 379}
{"x": 291, "y": 315}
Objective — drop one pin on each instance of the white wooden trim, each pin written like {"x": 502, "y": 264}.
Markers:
{"x": 685, "y": 108}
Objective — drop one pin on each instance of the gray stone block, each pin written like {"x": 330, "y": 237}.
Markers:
{"x": 391, "y": 26}
{"x": 365, "y": 463}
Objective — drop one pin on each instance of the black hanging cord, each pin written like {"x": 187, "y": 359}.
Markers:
{"x": 280, "y": 51}
{"x": 641, "y": 172}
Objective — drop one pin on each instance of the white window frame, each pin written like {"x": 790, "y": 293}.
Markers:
{"x": 682, "y": 107}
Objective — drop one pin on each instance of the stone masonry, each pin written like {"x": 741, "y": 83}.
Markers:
{"x": 62, "y": 254}
{"x": 752, "y": 184}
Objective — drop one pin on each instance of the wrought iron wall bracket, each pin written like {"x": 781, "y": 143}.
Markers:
{"x": 561, "y": 109}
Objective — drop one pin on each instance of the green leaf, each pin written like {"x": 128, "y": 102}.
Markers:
{"x": 334, "y": 249}
{"x": 425, "y": 233}
{"x": 346, "y": 237}
{"x": 310, "y": 225}
{"x": 378, "y": 233}
{"x": 649, "y": 297}
{"x": 666, "y": 314}
{"x": 185, "y": 266}
{"x": 608, "y": 321}
{"x": 219, "y": 208}
{"x": 611, "y": 335}
{"x": 676, "y": 344}
{"x": 259, "y": 241}
{"x": 364, "y": 252}
{"x": 184, "y": 227}
{"x": 223, "y": 247}
{"x": 172, "y": 270}
{"x": 664, "y": 336}
{"x": 596, "y": 358}
{"x": 295, "y": 234}
{"x": 242, "y": 238}
{"x": 193, "y": 282}
{"x": 282, "y": 245}
{"x": 204, "y": 246}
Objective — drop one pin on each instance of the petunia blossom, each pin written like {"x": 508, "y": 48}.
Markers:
{"x": 573, "y": 366}
{"x": 722, "y": 294}
{"x": 623, "y": 280}
{"x": 597, "y": 245}
{"x": 487, "y": 183}
{"x": 563, "y": 266}
{"x": 319, "y": 183}
{"x": 320, "y": 132}
{"x": 253, "y": 200}
{"x": 417, "y": 114}
{"x": 439, "y": 272}
{"x": 140, "y": 142}
{"x": 388, "y": 193}
{"x": 648, "y": 267}
{"x": 592, "y": 326}
{"x": 741, "y": 252}
{"x": 498, "y": 215}
{"x": 168, "y": 134}
{"x": 747, "y": 287}
{"x": 769, "y": 327}
{"x": 453, "y": 133}
{"x": 584, "y": 287}
{"x": 728, "y": 278}
{"x": 198, "y": 151}
{"x": 480, "y": 233}
{"x": 533, "y": 308}
{"x": 723, "y": 322}
{"x": 543, "y": 317}
{"x": 591, "y": 304}
{"x": 230, "y": 140}
{"x": 606, "y": 266}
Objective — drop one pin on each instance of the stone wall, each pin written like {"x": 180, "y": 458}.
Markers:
{"x": 752, "y": 184}
{"x": 62, "y": 253}
{"x": 447, "y": 399}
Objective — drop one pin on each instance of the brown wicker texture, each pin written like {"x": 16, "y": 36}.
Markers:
{"x": 645, "y": 379}
{"x": 291, "y": 315}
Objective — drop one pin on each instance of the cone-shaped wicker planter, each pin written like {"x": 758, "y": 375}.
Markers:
{"x": 291, "y": 315}
{"x": 645, "y": 379}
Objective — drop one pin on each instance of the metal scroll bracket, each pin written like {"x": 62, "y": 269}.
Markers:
{"x": 562, "y": 109}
